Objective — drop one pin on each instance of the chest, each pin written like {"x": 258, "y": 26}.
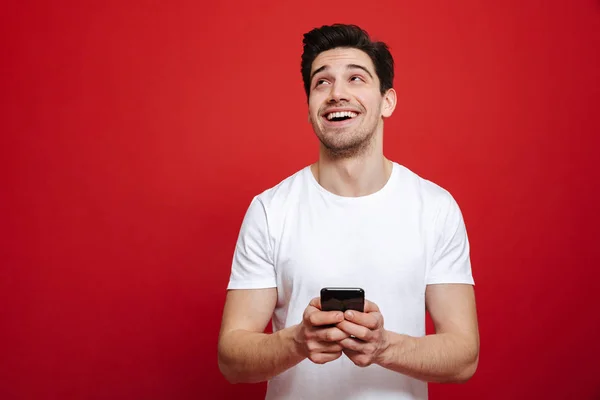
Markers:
{"x": 372, "y": 249}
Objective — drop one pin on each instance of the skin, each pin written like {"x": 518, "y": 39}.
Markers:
{"x": 351, "y": 160}
{"x": 351, "y": 163}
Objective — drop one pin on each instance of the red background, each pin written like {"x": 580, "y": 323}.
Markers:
{"x": 134, "y": 135}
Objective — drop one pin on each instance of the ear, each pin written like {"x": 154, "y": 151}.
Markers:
{"x": 389, "y": 103}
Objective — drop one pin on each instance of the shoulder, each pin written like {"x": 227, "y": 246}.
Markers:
{"x": 267, "y": 209}
{"x": 285, "y": 191}
{"x": 427, "y": 190}
{"x": 436, "y": 205}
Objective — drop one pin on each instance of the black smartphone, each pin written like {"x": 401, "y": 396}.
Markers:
{"x": 342, "y": 299}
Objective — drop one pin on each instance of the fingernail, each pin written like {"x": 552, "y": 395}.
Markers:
{"x": 349, "y": 314}
{"x": 340, "y": 317}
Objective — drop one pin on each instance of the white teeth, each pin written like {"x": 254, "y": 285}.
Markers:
{"x": 341, "y": 114}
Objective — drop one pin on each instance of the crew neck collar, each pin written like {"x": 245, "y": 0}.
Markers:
{"x": 354, "y": 199}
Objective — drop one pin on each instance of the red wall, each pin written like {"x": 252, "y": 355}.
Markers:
{"x": 135, "y": 134}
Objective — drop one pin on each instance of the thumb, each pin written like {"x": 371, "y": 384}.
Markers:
{"x": 370, "y": 306}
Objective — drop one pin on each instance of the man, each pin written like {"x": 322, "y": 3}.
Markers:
{"x": 352, "y": 219}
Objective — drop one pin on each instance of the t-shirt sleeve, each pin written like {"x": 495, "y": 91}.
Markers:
{"x": 451, "y": 262}
{"x": 252, "y": 266}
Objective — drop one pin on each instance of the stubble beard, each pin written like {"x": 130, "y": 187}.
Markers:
{"x": 343, "y": 145}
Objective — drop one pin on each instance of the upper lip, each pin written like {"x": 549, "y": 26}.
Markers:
{"x": 340, "y": 109}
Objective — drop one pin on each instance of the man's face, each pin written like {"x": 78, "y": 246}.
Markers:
{"x": 345, "y": 104}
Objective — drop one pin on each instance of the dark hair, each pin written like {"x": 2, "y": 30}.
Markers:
{"x": 329, "y": 37}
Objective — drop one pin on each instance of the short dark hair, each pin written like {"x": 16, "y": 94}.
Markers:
{"x": 333, "y": 36}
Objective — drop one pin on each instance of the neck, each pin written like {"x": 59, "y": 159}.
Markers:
{"x": 356, "y": 176}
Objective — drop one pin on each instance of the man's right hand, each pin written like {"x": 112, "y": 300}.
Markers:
{"x": 317, "y": 335}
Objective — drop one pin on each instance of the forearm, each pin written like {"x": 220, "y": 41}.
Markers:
{"x": 250, "y": 357}
{"x": 442, "y": 358}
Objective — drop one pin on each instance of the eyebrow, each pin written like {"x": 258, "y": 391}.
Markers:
{"x": 349, "y": 66}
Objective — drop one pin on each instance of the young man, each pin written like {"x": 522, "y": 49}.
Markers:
{"x": 352, "y": 219}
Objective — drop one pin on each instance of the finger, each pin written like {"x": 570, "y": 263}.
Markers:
{"x": 320, "y": 318}
{"x": 313, "y": 306}
{"x": 359, "y": 359}
{"x": 352, "y": 345}
{"x": 315, "y": 302}
{"x": 350, "y": 353}
{"x": 371, "y": 320}
{"x": 370, "y": 306}
{"x": 358, "y": 331}
{"x": 322, "y": 358}
{"x": 331, "y": 334}
{"x": 323, "y": 347}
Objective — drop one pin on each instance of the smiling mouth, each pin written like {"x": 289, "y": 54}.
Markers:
{"x": 339, "y": 116}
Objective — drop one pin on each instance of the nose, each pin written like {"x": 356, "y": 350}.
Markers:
{"x": 338, "y": 92}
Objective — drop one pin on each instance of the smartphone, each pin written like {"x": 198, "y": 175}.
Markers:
{"x": 342, "y": 299}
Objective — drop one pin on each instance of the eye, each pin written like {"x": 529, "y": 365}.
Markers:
{"x": 356, "y": 79}
{"x": 320, "y": 82}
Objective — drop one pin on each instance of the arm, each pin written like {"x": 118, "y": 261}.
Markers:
{"x": 452, "y": 353}
{"x": 449, "y": 355}
{"x": 246, "y": 353}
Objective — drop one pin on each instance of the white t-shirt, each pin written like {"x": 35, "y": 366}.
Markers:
{"x": 299, "y": 237}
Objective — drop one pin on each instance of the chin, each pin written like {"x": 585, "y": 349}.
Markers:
{"x": 344, "y": 149}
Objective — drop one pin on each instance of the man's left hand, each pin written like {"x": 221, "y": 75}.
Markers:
{"x": 369, "y": 337}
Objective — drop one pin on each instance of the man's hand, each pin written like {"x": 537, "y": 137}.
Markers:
{"x": 367, "y": 337}
{"x": 317, "y": 336}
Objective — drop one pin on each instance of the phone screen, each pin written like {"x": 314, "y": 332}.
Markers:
{"x": 342, "y": 299}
